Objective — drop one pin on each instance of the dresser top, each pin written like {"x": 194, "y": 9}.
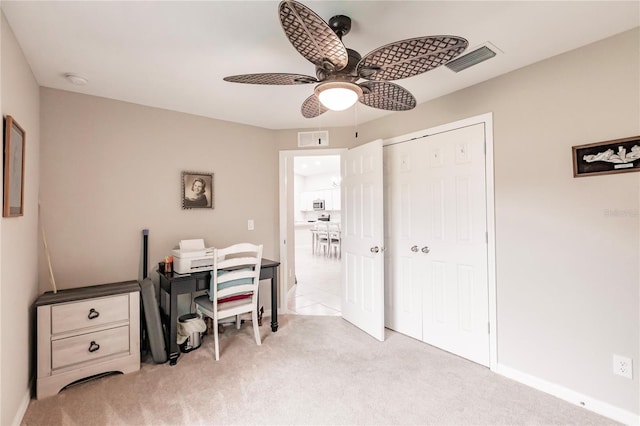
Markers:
{"x": 80, "y": 293}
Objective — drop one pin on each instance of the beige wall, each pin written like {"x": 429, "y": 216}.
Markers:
{"x": 111, "y": 169}
{"x": 567, "y": 263}
{"x": 19, "y": 237}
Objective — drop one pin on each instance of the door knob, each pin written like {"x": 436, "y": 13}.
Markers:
{"x": 375, "y": 249}
{"x": 414, "y": 249}
{"x": 425, "y": 249}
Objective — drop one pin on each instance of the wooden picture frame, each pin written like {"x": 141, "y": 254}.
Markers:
{"x": 197, "y": 190}
{"x": 14, "y": 153}
{"x": 603, "y": 158}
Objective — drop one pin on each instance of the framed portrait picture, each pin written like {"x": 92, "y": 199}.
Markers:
{"x": 602, "y": 158}
{"x": 14, "y": 143}
{"x": 197, "y": 190}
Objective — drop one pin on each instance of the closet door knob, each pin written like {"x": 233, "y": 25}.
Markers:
{"x": 375, "y": 249}
{"x": 414, "y": 249}
{"x": 426, "y": 249}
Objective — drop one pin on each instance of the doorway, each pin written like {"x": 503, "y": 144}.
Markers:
{"x": 313, "y": 191}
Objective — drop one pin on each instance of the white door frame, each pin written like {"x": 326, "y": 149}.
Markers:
{"x": 487, "y": 120}
{"x": 287, "y": 231}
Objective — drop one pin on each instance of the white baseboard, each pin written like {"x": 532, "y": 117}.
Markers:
{"x": 22, "y": 409}
{"x": 591, "y": 404}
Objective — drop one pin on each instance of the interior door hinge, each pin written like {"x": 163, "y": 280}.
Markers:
{"x": 489, "y": 328}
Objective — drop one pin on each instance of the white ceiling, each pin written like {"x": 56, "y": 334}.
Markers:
{"x": 173, "y": 55}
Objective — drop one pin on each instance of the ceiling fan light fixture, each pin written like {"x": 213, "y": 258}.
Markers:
{"x": 338, "y": 95}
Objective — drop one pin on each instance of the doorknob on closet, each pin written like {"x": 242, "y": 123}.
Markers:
{"x": 414, "y": 249}
{"x": 375, "y": 249}
{"x": 425, "y": 249}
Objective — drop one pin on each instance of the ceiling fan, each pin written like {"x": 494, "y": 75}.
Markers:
{"x": 338, "y": 68}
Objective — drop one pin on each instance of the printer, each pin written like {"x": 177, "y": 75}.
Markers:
{"x": 192, "y": 256}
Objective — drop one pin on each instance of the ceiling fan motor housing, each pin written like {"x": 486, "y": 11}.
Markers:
{"x": 348, "y": 73}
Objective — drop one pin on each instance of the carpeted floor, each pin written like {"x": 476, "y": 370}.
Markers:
{"x": 314, "y": 370}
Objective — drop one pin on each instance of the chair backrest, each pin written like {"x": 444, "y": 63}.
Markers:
{"x": 236, "y": 271}
{"x": 322, "y": 230}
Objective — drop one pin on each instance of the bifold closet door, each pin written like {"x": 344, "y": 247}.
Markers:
{"x": 455, "y": 291}
{"x": 437, "y": 288}
{"x": 405, "y": 228}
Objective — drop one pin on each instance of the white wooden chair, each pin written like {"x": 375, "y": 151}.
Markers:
{"x": 322, "y": 238}
{"x": 335, "y": 239}
{"x": 234, "y": 287}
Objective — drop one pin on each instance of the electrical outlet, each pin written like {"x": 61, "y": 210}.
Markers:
{"x": 250, "y": 225}
{"x": 623, "y": 366}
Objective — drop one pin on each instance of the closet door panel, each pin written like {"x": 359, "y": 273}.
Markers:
{"x": 455, "y": 303}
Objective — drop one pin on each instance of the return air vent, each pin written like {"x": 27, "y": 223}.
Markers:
{"x": 470, "y": 59}
{"x": 313, "y": 139}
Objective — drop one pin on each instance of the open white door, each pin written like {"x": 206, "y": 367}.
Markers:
{"x": 362, "y": 230}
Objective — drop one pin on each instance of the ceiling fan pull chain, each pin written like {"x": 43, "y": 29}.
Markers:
{"x": 355, "y": 112}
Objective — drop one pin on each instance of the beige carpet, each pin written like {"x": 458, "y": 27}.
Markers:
{"x": 314, "y": 370}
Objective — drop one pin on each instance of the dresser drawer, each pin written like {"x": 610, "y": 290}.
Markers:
{"x": 90, "y": 346}
{"x": 89, "y": 313}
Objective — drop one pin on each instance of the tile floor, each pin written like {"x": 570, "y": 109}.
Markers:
{"x": 318, "y": 290}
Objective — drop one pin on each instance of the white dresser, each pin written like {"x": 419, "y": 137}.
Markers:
{"x": 86, "y": 331}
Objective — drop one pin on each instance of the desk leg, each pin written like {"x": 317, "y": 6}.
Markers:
{"x": 274, "y": 301}
{"x": 174, "y": 352}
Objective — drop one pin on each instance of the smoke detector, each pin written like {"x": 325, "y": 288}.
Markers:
{"x": 75, "y": 79}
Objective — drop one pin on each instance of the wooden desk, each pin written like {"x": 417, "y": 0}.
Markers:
{"x": 176, "y": 284}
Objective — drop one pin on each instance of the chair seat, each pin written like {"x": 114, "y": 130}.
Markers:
{"x": 225, "y": 309}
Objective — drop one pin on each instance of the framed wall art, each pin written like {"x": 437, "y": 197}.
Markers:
{"x": 14, "y": 145}
{"x": 601, "y": 158}
{"x": 197, "y": 190}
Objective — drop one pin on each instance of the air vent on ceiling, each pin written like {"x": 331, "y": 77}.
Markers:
{"x": 470, "y": 59}
{"x": 313, "y": 139}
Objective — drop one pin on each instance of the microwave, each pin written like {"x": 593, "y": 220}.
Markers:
{"x": 318, "y": 204}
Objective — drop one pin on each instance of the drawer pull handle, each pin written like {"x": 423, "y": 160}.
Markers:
{"x": 93, "y": 346}
{"x": 93, "y": 314}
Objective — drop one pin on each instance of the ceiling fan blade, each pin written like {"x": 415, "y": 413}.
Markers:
{"x": 312, "y": 36}
{"x": 388, "y": 96}
{"x": 311, "y": 107}
{"x": 271, "y": 78}
{"x": 410, "y": 57}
